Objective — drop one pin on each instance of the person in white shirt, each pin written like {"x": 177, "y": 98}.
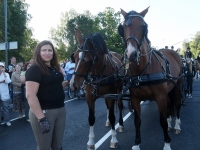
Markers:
{"x": 69, "y": 69}
{"x": 4, "y": 94}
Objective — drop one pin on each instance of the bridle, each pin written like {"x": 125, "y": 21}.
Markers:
{"x": 84, "y": 49}
{"x": 128, "y": 22}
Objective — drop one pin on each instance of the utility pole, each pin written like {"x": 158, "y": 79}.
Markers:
{"x": 6, "y": 33}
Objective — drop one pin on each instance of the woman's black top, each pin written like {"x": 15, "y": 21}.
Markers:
{"x": 50, "y": 92}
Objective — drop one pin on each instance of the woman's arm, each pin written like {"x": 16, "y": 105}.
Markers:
{"x": 31, "y": 95}
{"x": 65, "y": 84}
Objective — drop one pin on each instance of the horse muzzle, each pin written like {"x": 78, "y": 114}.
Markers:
{"x": 132, "y": 57}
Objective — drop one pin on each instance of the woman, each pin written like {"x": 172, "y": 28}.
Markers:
{"x": 18, "y": 105}
{"x": 190, "y": 74}
{"x": 23, "y": 93}
{"x": 45, "y": 95}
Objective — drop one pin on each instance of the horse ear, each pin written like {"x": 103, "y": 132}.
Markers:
{"x": 143, "y": 13}
{"x": 123, "y": 12}
{"x": 72, "y": 57}
{"x": 121, "y": 30}
{"x": 78, "y": 36}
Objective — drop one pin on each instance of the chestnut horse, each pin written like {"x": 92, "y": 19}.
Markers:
{"x": 99, "y": 70}
{"x": 153, "y": 75}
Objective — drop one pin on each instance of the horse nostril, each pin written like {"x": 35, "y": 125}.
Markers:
{"x": 133, "y": 56}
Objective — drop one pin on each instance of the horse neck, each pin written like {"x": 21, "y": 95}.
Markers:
{"x": 99, "y": 66}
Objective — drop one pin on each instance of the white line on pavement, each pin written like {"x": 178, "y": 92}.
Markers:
{"x": 104, "y": 138}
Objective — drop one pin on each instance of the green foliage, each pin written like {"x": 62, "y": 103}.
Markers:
{"x": 194, "y": 45}
{"x": 105, "y": 23}
{"x": 17, "y": 19}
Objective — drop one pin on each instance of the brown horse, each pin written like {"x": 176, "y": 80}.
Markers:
{"x": 153, "y": 75}
{"x": 99, "y": 70}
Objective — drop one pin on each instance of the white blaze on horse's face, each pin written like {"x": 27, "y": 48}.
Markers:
{"x": 130, "y": 50}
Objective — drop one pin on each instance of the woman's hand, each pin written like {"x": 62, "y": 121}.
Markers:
{"x": 65, "y": 84}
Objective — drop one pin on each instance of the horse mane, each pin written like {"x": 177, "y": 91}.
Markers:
{"x": 98, "y": 42}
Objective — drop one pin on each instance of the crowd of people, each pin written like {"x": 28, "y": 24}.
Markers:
{"x": 12, "y": 90}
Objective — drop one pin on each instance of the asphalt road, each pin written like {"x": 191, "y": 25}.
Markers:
{"x": 19, "y": 136}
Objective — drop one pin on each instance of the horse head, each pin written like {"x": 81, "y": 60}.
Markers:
{"x": 87, "y": 56}
{"x": 134, "y": 32}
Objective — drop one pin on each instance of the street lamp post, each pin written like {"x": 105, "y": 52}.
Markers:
{"x": 6, "y": 34}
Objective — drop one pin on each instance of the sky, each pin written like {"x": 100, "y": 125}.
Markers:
{"x": 170, "y": 22}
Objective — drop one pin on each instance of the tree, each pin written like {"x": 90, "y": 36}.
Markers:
{"x": 17, "y": 25}
{"x": 105, "y": 23}
{"x": 30, "y": 44}
{"x": 108, "y": 22}
{"x": 194, "y": 45}
{"x": 64, "y": 37}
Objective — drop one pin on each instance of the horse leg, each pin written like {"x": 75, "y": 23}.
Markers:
{"x": 162, "y": 106}
{"x": 137, "y": 122}
{"x": 177, "y": 107}
{"x": 91, "y": 119}
{"x": 114, "y": 141}
{"x": 169, "y": 112}
{"x": 107, "y": 119}
{"x": 121, "y": 122}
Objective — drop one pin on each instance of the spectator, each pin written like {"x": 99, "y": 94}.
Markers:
{"x": 188, "y": 53}
{"x": 18, "y": 105}
{"x": 65, "y": 62}
{"x": 190, "y": 74}
{"x": 11, "y": 67}
{"x": 4, "y": 94}
{"x": 62, "y": 69}
{"x": 166, "y": 47}
{"x": 23, "y": 93}
{"x": 22, "y": 65}
{"x": 172, "y": 47}
{"x": 69, "y": 69}
{"x": 198, "y": 57}
{"x": 45, "y": 95}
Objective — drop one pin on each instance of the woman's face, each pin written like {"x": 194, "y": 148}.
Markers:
{"x": 46, "y": 53}
{"x": 18, "y": 68}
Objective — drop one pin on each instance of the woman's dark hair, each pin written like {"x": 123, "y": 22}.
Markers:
{"x": 37, "y": 60}
{"x": 26, "y": 65}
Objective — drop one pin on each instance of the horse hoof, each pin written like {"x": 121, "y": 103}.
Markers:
{"x": 169, "y": 129}
{"x": 136, "y": 147}
{"x": 90, "y": 147}
{"x": 120, "y": 129}
{"x": 107, "y": 124}
{"x": 177, "y": 131}
{"x": 113, "y": 145}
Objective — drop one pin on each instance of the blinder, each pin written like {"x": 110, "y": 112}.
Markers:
{"x": 72, "y": 57}
{"x": 121, "y": 30}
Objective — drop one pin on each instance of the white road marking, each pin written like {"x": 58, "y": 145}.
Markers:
{"x": 107, "y": 135}
{"x": 24, "y": 115}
